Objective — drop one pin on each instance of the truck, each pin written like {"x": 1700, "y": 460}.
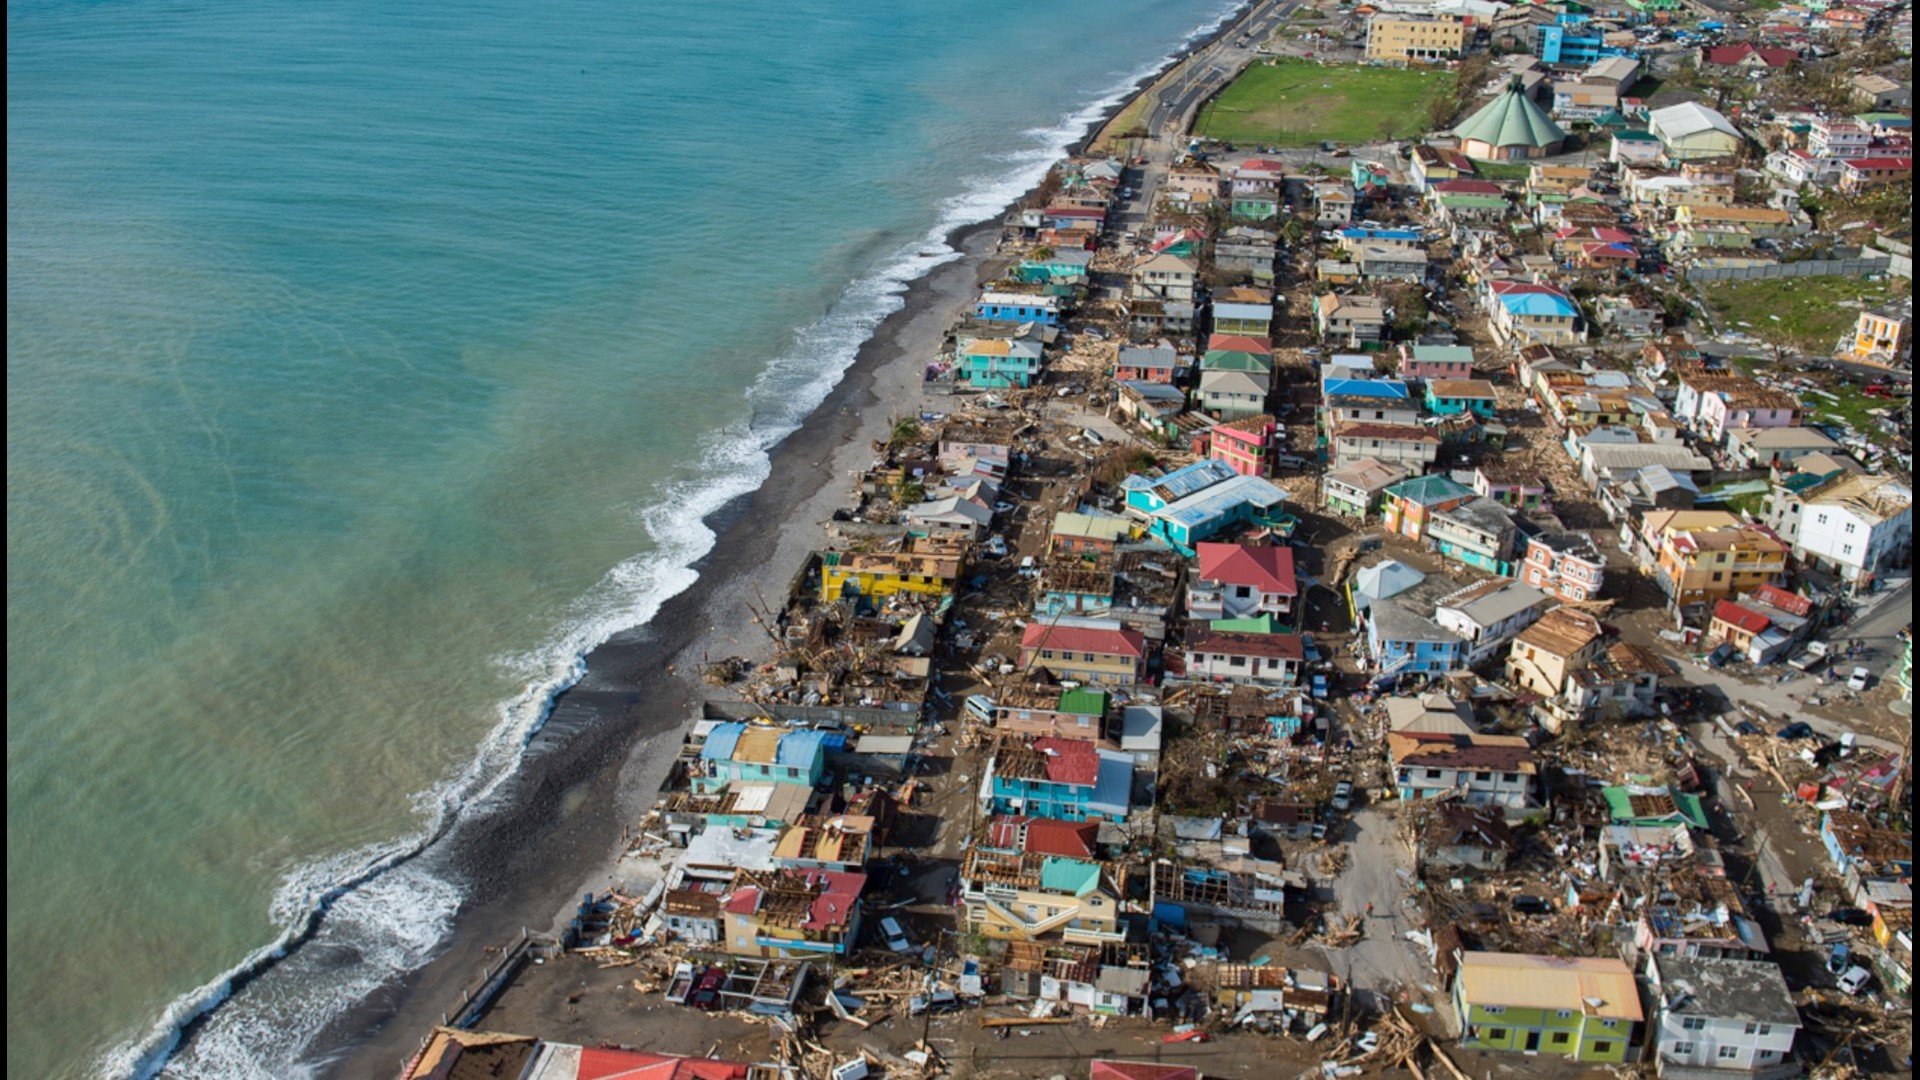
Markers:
{"x": 1810, "y": 659}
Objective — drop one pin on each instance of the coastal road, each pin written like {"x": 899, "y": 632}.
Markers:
{"x": 1213, "y": 66}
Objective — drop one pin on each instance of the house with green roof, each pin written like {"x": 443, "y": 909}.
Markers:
{"x": 1031, "y": 896}
{"x": 1409, "y": 505}
{"x": 1635, "y": 148}
{"x": 1645, "y": 805}
{"x": 1511, "y": 127}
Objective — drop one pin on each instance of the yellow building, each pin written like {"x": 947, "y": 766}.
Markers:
{"x": 1705, "y": 565}
{"x": 1880, "y": 337}
{"x": 927, "y": 567}
{"x": 1402, "y": 37}
{"x": 1026, "y": 896}
{"x": 1563, "y": 642}
{"x": 1759, "y": 220}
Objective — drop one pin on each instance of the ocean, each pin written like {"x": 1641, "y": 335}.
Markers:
{"x": 368, "y": 363}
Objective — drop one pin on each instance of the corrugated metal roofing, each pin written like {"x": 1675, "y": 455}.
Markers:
{"x": 1596, "y": 986}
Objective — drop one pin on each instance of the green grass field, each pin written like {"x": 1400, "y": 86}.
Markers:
{"x": 1300, "y": 103}
{"x": 1808, "y": 313}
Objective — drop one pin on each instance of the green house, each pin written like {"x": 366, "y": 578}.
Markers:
{"x": 1256, "y": 206}
{"x": 1584, "y": 1008}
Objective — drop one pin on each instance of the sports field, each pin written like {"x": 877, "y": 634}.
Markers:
{"x": 1300, "y": 103}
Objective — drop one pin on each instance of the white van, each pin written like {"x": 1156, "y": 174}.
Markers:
{"x": 1028, "y": 568}
{"x": 1855, "y": 979}
{"x": 980, "y": 707}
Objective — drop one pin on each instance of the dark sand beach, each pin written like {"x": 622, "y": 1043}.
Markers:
{"x": 554, "y": 830}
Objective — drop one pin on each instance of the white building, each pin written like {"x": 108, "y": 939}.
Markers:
{"x": 1857, "y": 526}
{"x": 1489, "y": 613}
{"x": 1735, "y": 1017}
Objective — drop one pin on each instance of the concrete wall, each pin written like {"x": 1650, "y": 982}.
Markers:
{"x": 1811, "y": 268}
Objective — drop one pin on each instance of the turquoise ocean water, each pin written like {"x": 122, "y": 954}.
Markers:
{"x": 367, "y": 363}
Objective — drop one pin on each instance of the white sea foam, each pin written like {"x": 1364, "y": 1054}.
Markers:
{"x": 377, "y": 903}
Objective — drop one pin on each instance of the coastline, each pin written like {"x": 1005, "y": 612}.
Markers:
{"x": 597, "y": 765}
{"x": 553, "y": 830}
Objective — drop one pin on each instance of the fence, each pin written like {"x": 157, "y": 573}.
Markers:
{"x": 1810, "y": 268}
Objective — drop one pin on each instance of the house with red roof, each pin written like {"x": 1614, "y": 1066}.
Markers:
{"x": 792, "y": 914}
{"x": 1243, "y": 443}
{"x": 454, "y": 1054}
{"x": 1141, "y": 1070}
{"x": 1763, "y": 625}
{"x": 1063, "y": 779}
{"x": 1748, "y": 56}
{"x": 1239, "y": 581}
{"x": 1043, "y": 836}
{"x": 1249, "y": 659}
{"x": 1252, "y": 346}
{"x": 1101, "y": 653}
{"x": 1859, "y": 174}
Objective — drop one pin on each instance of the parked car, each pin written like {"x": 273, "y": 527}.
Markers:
{"x": 1858, "y": 681}
{"x": 1849, "y": 916}
{"x": 1855, "y": 979}
{"x": 894, "y": 936}
{"x": 996, "y": 547}
{"x": 1342, "y": 796}
{"x": 1319, "y": 686}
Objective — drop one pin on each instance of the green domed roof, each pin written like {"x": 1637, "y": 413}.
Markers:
{"x": 1512, "y": 119}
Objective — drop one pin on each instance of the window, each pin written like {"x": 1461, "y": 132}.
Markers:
{"x": 1496, "y": 1035}
{"x": 1684, "y": 1049}
{"x": 1514, "y": 778}
{"x": 1728, "y": 1053}
{"x": 1694, "y": 1023}
{"x": 1490, "y": 1010}
{"x": 1559, "y": 1038}
{"x": 1237, "y": 661}
{"x": 1603, "y": 1047}
{"x": 1046, "y": 654}
{"x": 1563, "y": 1014}
{"x": 1433, "y": 774}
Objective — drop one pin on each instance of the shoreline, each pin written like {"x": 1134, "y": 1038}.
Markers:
{"x": 553, "y": 830}
{"x": 597, "y": 765}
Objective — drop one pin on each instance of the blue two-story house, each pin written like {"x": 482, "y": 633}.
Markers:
{"x": 1148, "y": 495}
{"x": 737, "y": 753}
{"x": 1064, "y": 779}
{"x": 1218, "y": 509}
{"x": 1400, "y": 642}
{"x": 1018, "y": 307}
{"x": 1453, "y": 397}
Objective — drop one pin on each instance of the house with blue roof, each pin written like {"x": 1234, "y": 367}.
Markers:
{"x": 1343, "y": 386}
{"x": 1147, "y": 495}
{"x": 738, "y": 753}
{"x": 1218, "y": 509}
{"x": 1533, "y": 313}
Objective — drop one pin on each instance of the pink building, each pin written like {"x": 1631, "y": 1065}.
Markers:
{"x": 1752, "y": 406}
{"x": 1566, "y": 566}
{"x": 1436, "y": 362}
{"x": 1243, "y": 444}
